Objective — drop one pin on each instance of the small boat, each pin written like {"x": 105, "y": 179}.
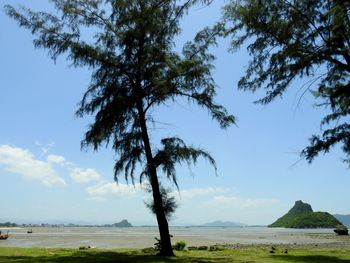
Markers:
{"x": 29, "y": 231}
{"x": 341, "y": 230}
{"x": 4, "y": 236}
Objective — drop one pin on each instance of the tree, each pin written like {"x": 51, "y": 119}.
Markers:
{"x": 128, "y": 45}
{"x": 291, "y": 39}
{"x": 169, "y": 202}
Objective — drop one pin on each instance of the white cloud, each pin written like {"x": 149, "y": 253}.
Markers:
{"x": 21, "y": 161}
{"x": 56, "y": 159}
{"x": 111, "y": 190}
{"x": 80, "y": 175}
{"x": 234, "y": 201}
{"x": 195, "y": 192}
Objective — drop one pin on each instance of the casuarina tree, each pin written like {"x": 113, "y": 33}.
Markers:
{"x": 129, "y": 47}
{"x": 293, "y": 39}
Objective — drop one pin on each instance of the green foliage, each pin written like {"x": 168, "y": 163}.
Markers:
{"x": 8, "y": 224}
{"x": 169, "y": 202}
{"x": 175, "y": 151}
{"x": 341, "y": 227}
{"x": 315, "y": 220}
{"x": 180, "y": 245}
{"x": 134, "y": 68}
{"x": 289, "y": 40}
{"x": 302, "y": 216}
{"x": 299, "y": 208}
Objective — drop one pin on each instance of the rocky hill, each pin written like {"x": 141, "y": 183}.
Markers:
{"x": 301, "y": 215}
{"x": 123, "y": 223}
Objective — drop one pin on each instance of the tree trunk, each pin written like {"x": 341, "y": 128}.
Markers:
{"x": 166, "y": 248}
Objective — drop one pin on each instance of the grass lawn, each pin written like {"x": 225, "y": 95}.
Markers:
{"x": 257, "y": 255}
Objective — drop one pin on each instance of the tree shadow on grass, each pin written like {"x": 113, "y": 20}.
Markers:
{"x": 311, "y": 259}
{"x": 106, "y": 257}
{"x": 87, "y": 257}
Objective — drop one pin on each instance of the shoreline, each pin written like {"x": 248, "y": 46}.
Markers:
{"x": 228, "y": 246}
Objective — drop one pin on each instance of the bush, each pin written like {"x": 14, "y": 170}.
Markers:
{"x": 180, "y": 245}
{"x": 216, "y": 248}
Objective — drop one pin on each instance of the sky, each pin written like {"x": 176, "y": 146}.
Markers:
{"x": 46, "y": 177}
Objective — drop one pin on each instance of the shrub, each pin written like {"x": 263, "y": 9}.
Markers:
{"x": 180, "y": 245}
{"x": 216, "y": 248}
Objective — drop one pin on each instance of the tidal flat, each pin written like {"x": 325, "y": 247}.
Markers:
{"x": 141, "y": 237}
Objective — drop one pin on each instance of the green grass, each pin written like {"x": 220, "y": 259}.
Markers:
{"x": 257, "y": 255}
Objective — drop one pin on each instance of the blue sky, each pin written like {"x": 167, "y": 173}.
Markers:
{"x": 46, "y": 177}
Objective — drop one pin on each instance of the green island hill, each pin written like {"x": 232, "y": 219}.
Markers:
{"x": 301, "y": 215}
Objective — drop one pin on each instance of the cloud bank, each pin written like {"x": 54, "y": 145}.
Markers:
{"x": 22, "y": 162}
{"x": 81, "y": 175}
{"x": 56, "y": 159}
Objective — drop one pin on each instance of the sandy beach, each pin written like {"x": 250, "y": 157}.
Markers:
{"x": 141, "y": 237}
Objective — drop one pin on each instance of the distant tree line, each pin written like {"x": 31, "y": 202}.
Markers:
{"x": 8, "y": 224}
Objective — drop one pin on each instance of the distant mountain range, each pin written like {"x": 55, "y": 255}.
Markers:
{"x": 344, "y": 219}
{"x": 301, "y": 215}
{"x": 223, "y": 224}
{"x": 300, "y": 208}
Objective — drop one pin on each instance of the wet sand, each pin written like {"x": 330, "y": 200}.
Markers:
{"x": 141, "y": 237}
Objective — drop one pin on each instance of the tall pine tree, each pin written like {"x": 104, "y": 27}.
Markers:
{"x": 129, "y": 46}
